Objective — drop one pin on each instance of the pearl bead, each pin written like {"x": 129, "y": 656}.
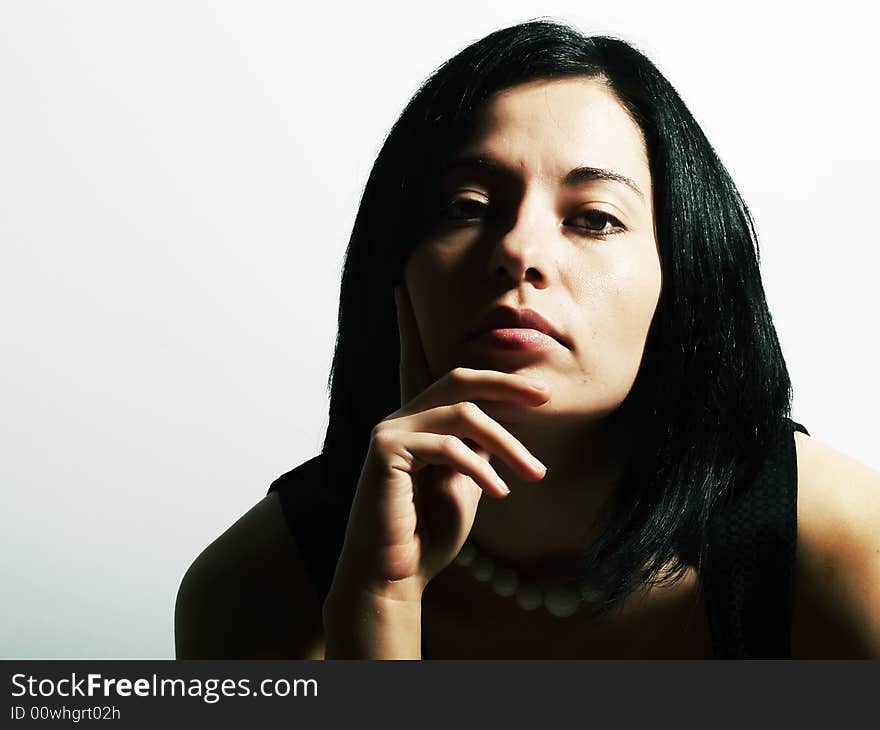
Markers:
{"x": 528, "y": 596}
{"x": 561, "y": 601}
{"x": 482, "y": 568}
{"x": 466, "y": 555}
{"x": 505, "y": 582}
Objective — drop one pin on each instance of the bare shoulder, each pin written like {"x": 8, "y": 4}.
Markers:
{"x": 837, "y": 576}
{"x": 248, "y": 594}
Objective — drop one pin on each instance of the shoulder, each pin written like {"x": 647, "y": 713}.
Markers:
{"x": 837, "y": 573}
{"x": 248, "y": 594}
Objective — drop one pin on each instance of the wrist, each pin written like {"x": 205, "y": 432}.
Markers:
{"x": 363, "y": 625}
{"x": 353, "y": 580}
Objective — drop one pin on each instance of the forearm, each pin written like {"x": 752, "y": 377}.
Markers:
{"x": 372, "y": 627}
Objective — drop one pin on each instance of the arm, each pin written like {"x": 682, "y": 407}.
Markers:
{"x": 837, "y": 595}
{"x": 248, "y": 595}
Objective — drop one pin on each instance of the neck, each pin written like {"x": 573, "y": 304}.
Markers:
{"x": 542, "y": 525}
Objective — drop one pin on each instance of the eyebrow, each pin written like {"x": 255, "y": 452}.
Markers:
{"x": 574, "y": 178}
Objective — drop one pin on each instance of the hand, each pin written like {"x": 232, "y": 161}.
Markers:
{"x": 427, "y": 468}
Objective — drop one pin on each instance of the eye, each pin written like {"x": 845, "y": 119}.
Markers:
{"x": 596, "y": 223}
{"x": 462, "y": 209}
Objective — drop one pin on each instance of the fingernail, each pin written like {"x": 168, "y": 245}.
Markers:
{"x": 538, "y": 385}
{"x": 538, "y": 465}
{"x": 502, "y": 485}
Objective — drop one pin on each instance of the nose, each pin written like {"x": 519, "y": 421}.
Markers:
{"x": 523, "y": 251}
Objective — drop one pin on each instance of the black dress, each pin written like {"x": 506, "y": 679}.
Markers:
{"x": 748, "y": 577}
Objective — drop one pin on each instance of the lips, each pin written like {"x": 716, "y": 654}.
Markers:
{"x": 509, "y": 317}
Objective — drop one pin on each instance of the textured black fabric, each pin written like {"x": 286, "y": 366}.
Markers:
{"x": 748, "y": 573}
{"x": 317, "y": 526}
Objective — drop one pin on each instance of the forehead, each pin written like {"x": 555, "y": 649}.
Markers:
{"x": 546, "y": 128}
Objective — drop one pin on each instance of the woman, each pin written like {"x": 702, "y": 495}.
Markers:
{"x": 559, "y": 417}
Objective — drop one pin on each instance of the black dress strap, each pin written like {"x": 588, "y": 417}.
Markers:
{"x": 317, "y": 525}
{"x": 749, "y": 571}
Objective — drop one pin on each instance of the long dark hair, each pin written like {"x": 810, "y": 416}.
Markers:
{"x": 712, "y": 391}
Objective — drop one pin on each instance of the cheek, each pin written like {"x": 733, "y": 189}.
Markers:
{"x": 430, "y": 293}
{"x": 424, "y": 276}
{"x": 630, "y": 298}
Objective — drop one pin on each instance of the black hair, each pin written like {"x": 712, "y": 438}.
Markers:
{"x": 712, "y": 390}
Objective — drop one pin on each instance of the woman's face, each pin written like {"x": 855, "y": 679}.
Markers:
{"x": 581, "y": 251}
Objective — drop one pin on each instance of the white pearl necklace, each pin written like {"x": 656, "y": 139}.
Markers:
{"x": 558, "y": 599}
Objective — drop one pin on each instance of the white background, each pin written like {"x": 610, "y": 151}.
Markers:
{"x": 178, "y": 181}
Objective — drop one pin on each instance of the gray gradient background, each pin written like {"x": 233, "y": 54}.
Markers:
{"x": 178, "y": 181}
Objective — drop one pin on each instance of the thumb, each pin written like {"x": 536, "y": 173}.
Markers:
{"x": 415, "y": 376}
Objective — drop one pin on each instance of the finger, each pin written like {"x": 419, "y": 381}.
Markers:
{"x": 468, "y": 384}
{"x": 415, "y": 375}
{"x": 448, "y": 450}
{"x": 485, "y": 436}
